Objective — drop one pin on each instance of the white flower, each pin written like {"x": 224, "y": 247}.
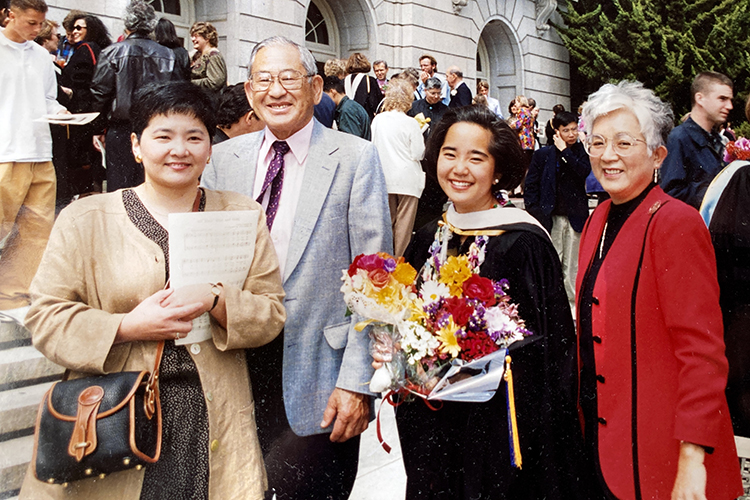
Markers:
{"x": 498, "y": 321}
{"x": 416, "y": 342}
{"x": 433, "y": 290}
{"x": 358, "y": 280}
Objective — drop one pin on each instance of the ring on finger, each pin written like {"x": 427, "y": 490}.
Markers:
{"x": 176, "y": 335}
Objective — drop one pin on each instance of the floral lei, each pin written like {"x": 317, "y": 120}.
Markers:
{"x": 439, "y": 252}
{"x": 439, "y": 247}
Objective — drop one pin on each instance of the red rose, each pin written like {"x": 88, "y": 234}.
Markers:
{"x": 480, "y": 288}
{"x": 459, "y": 309}
{"x": 379, "y": 278}
{"x": 354, "y": 265}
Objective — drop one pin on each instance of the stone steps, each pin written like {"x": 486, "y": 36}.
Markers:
{"x": 13, "y": 333}
{"x": 22, "y": 365}
{"x": 25, "y": 375}
{"x": 18, "y": 408}
{"x": 15, "y": 455}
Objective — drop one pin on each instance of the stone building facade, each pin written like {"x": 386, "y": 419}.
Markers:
{"x": 506, "y": 42}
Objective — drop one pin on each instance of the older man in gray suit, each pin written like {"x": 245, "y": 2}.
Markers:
{"x": 326, "y": 200}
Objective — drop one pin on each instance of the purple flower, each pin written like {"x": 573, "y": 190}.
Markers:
{"x": 389, "y": 265}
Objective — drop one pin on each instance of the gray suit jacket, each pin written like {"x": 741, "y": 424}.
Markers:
{"x": 342, "y": 212}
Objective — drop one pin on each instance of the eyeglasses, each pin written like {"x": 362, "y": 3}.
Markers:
{"x": 79, "y": 28}
{"x": 623, "y": 144}
{"x": 290, "y": 79}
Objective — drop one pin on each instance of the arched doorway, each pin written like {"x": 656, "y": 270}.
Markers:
{"x": 321, "y": 33}
{"x": 499, "y": 61}
{"x": 336, "y": 28}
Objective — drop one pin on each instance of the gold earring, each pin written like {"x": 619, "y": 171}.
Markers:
{"x": 208, "y": 160}
{"x": 138, "y": 159}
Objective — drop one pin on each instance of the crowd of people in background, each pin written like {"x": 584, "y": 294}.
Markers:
{"x": 91, "y": 79}
{"x": 347, "y": 163}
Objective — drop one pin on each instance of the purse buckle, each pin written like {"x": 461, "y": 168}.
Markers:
{"x": 83, "y": 440}
{"x": 149, "y": 399}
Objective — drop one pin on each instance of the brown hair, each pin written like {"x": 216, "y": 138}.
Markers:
{"x": 703, "y": 81}
{"x": 48, "y": 29}
{"x": 521, "y": 101}
{"x": 70, "y": 20}
{"x": 207, "y": 31}
{"x": 398, "y": 96}
{"x": 335, "y": 67}
{"x": 483, "y": 84}
{"x": 407, "y": 76}
{"x": 357, "y": 63}
{"x": 480, "y": 100}
{"x": 433, "y": 61}
{"x": 37, "y": 5}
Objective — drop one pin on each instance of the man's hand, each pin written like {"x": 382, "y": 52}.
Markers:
{"x": 423, "y": 76}
{"x": 560, "y": 144}
{"x": 351, "y": 411}
{"x": 690, "y": 483}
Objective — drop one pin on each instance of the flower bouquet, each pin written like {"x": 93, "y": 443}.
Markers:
{"x": 446, "y": 338}
{"x": 455, "y": 342}
{"x": 380, "y": 288}
{"x": 446, "y": 335}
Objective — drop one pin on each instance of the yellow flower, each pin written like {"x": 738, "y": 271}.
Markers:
{"x": 448, "y": 341}
{"x": 404, "y": 273}
{"x": 418, "y": 313}
{"x": 389, "y": 296}
{"x": 454, "y": 272}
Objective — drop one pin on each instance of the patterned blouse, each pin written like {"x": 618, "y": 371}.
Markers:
{"x": 524, "y": 124}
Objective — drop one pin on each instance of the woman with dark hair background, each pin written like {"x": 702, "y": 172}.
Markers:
{"x": 165, "y": 34}
{"x": 462, "y": 450}
{"x": 360, "y": 86}
{"x": 89, "y": 36}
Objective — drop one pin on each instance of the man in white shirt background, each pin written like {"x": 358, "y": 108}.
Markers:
{"x": 428, "y": 65}
{"x": 27, "y": 176}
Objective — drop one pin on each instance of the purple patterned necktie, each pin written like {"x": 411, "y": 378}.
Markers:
{"x": 274, "y": 178}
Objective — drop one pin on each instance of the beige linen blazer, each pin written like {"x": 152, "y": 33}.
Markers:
{"x": 97, "y": 267}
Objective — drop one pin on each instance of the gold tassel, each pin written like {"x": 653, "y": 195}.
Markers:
{"x": 515, "y": 446}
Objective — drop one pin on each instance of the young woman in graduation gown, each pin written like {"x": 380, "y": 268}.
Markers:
{"x": 462, "y": 450}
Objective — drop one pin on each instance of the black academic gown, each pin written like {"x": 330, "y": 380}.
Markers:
{"x": 730, "y": 233}
{"x": 461, "y": 451}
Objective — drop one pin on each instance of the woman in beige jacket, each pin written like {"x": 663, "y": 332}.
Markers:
{"x": 99, "y": 306}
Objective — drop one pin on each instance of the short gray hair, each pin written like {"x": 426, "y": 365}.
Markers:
{"x": 139, "y": 17}
{"x": 306, "y": 57}
{"x": 654, "y": 115}
{"x": 433, "y": 83}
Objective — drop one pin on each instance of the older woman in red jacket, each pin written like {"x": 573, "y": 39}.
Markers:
{"x": 651, "y": 350}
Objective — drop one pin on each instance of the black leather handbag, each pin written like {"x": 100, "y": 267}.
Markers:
{"x": 93, "y": 426}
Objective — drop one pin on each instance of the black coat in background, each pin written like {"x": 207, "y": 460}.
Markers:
{"x": 433, "y": 198}
{"x": 181, "y": 63}
{"x": 556, "y": 185}
{"x": 460, "y": 96}
{"x": 730, "y": 233}
{"x": 368, "y": 94}
{"x": 461, "y": 451}
{"x": 84, "y": 163}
